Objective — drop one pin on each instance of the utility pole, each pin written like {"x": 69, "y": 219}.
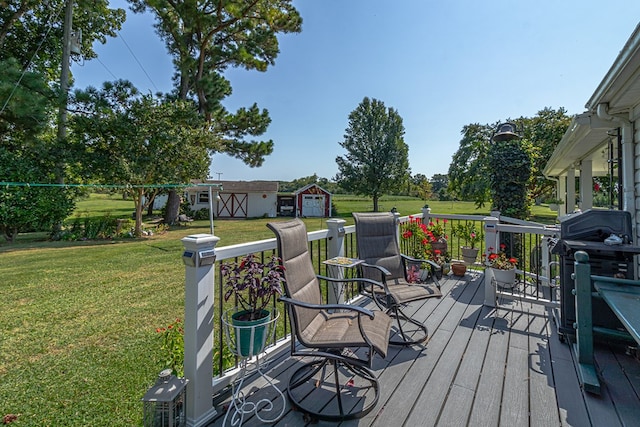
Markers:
{"x": 64, "y": 93}
{"x": 64, "y": 84}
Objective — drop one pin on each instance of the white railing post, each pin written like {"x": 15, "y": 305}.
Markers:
{"x": 199, "y": 260}
{"x": 491, "y": 239}
{"x": 335, "y": 247}
{"x": 396, "y": 215}
{"x": 426, "y": 214}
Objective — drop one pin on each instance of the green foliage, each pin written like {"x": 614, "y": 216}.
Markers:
{"x": 139, "y": 140}
{"x": 84, "y": 227}
{"x": 30, "y": 26}
{"x": 510, "y": 168}
{"x": 29, "y": 208}
{"x": 172, "y": 347}
{"x": 469, "y": 170}
{"x": 377, "y": 157}
{"x": 468, "y": 232}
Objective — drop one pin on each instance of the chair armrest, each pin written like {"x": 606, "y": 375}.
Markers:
{"x": 407, "y": 258}
{"x": 383, "y": 270}
{"x": 360, "y": 310}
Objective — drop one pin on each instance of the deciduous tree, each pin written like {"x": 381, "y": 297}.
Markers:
{"x": 377, "y": 159}
{"x": 139, "y": 140}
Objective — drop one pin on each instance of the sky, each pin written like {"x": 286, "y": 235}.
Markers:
{"x": 441, "y": 64}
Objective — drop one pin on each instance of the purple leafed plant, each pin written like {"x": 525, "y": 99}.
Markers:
{"x": 253, "y": 282}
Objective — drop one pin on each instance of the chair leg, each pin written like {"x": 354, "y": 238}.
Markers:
{"x": 315, "y": 396}
{"x": 421, "y": 330}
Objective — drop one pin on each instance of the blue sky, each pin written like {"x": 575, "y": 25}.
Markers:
{"x": 440, "y": 64}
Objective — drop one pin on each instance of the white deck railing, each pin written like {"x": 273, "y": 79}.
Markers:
{"x": 536, "y": 284}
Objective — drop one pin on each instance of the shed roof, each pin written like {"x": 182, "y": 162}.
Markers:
{"x": 306, "y": 187}
{"x": 243, "y": 186}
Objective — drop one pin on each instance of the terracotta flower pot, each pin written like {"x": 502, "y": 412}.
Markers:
{"x": 458, "y": 268}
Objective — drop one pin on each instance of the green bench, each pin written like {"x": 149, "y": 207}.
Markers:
{"x": 621, "y": 295}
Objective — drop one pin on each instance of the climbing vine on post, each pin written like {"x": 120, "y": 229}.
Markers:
{"x": 509, "y": 173}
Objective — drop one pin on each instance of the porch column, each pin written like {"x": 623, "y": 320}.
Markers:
{"x": 571, "y": 190}
{"x": 199, "y": 257}
{"x": 561, "y": 192}
{"x": 628, "y": 170}
{"x": 335, "y": 247}
{"x": 491, "y": 244}
{"x": 586, "y": 185}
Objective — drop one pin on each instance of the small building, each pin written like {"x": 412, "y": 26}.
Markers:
{"x": 313, "y": 201}
{"x": 235, "y": 199}
{"x": 286, "y": 205}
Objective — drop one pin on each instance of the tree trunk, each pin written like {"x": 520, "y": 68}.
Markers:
{"x": 375, "y": 203}
{"x": 173, "y": 207}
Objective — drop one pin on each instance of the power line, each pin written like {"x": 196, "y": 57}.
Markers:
{"x": 41, "y": 184}
{"x": 136, "y": 58}
{"x": 107, "y": 68}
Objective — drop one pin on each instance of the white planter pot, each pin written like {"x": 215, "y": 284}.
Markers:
{"x": 505, "y": 279}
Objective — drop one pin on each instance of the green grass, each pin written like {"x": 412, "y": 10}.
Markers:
{"x": 78, "y": 340}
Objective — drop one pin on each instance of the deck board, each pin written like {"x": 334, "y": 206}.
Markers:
{"x": 481, "y": 367}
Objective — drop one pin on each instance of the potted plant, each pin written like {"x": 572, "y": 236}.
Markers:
{"x": 436, "y": 235}
{"x": 443, "y": 259}
{"x": 471, "y": 237}
{"x": 502, "y": 267}
{"x": 253, "y": 284}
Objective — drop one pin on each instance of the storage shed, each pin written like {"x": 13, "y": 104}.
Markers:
{"x": 236, "y": 199}
{"x": 313, "y": 201}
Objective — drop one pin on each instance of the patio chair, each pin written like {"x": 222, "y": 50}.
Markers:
{"x": 338, "y": 384}
{"x": 377, "y": 243}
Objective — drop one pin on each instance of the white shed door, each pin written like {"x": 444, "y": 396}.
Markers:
{"x": 312, "y": 205}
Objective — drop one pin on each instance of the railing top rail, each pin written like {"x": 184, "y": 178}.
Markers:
{"x": 446, "y": 216}
{"x": 241, "y": 249}
{"x": 533, "y": 229}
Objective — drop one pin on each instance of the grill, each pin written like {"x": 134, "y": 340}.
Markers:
{"x": 587, "y": 232}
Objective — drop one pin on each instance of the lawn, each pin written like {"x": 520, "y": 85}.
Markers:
{"x": 78, "y": 326}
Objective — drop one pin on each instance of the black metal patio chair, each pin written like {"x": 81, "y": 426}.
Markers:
{"x": 377, "y": 245}
{"x": 342, "y": 339}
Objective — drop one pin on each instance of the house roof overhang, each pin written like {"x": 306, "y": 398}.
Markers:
{"x": 588, "y": 134}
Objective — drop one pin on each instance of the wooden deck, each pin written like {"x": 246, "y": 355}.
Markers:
{"x": 483, "y": 367}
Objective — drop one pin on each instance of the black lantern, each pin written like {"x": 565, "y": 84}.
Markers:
{"x": 506, "y": 132}
{"x": 165, "y": 403}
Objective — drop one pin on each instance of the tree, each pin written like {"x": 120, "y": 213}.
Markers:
{"x": 205, "y": 38}
{"x": 377, "y": 158}
{"x": 140, "y": 141}
{"x": 468, "y": 174}
{"x": 31, "y": 35}
{"x": 26, "y": 157}
{"x": 31, "y": 31}
{"x": 421, "y": 187}
{"x": 542, "y": 134}
{"x": 439, "y": 183}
